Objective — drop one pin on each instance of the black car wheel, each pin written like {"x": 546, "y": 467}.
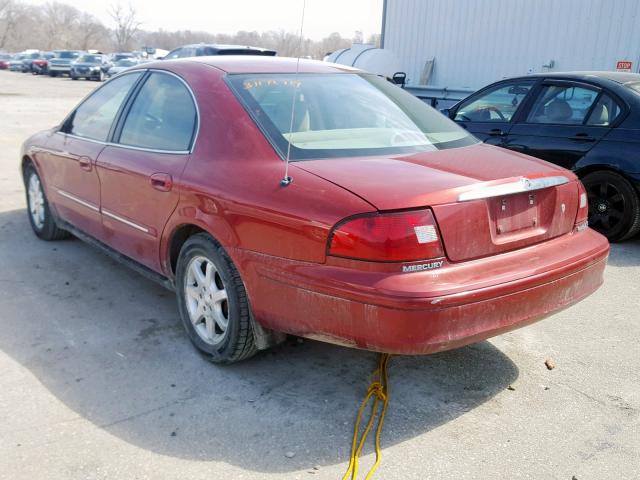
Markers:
{"x": 614, "y": 207}
{"x": 53, "y": 74}
{"x": 213, "y": 302}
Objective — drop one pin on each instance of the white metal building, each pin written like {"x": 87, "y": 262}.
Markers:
{"x": 466, "y": 44}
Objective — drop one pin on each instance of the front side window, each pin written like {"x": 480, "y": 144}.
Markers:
{"x": 495, "y": 105}
{"x": 562, "y": 104}
{"x": 162, "y": 117}
{"x": 93, "y": 119}
{"x": 343, "y": 115}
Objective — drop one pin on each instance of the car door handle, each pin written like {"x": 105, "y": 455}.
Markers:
{"x": 582, "y": 137}
{"x": 85, "y": 163}
{"x": 161, "y": 181}
{"x": 497, "y": 132}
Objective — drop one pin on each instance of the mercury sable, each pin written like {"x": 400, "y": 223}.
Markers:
{"x": 392, "y": 230}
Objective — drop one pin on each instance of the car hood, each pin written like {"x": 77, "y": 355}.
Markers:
{"x": 61, "y": 61}
{"x": 428, "y": 178}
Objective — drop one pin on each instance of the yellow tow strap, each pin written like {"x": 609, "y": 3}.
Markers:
{"x": 379, "y": 390}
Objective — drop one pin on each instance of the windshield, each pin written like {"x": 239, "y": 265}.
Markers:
{"x": 343, "y": 115}
{"x": 68, "y": 55}
{"x": 90, "y": 59}
{"x": 127, "y": 62}
{"x": 634, "y": 86}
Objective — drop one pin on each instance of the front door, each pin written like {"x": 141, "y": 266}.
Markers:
{"x": 489, "y": 114}
{"x": 565, "y": 121}
{"x": 139, "y": 169}
{"x": 72, "y": 153}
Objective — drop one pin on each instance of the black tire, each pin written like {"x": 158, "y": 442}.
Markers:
{"x": 53, "y": 74}
{"x": 614, "y": 207}
{"x": 73, "y": 77}
{"x": 47, "y": 229}
{"x": 237, "y": 342}
{"x": 101, "y": 76}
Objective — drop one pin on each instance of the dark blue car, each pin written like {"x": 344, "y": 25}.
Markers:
{"x": 588, "y": 122}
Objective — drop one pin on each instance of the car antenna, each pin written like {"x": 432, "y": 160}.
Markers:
{"x": 286, "y": 180}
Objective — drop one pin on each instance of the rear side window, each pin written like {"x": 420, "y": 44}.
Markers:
{"x": 93, "y": 119}
{"x": 562, "y": 104}
{"x": 162, "y": 116}
{"x": 605, "y": 112}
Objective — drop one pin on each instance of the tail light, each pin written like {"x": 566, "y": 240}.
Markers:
{"x": 582, "y": 217}
{"x": 387, "y": 237}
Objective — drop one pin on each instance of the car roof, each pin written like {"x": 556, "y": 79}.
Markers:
{"x": 223, "y": 46}
{"x": 259, "y": 64}
{"x": 619, "y": 77}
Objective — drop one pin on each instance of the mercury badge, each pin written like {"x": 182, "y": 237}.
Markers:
{"x": 422, "y": 267}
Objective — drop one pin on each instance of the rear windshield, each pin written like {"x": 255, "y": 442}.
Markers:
{"x": 635, "y": 86}
{"x": 343, "y": 115}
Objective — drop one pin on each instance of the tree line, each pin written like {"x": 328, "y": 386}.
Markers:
{"x": 57, "y": 25}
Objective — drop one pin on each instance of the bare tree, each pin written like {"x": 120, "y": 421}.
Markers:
{"x": 126, "y": 27}
{"x": 91, "y": 33}
{"x": 59, "y": 23}
{"x": 9, "y": 14}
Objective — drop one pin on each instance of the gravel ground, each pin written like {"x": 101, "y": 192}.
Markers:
{"x": 97, "y": 379}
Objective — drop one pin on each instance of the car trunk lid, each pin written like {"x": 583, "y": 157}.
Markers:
{"x": 486, "y": 200}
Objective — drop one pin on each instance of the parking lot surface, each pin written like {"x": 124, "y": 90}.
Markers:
{"x": 98, "y": 380}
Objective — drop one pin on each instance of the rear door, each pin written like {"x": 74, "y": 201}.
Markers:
{"x": 490, "y": 113}
{"x": 150, "y": 148}
{"x": 72, "y": 153}
{"x": 565, "y": 120}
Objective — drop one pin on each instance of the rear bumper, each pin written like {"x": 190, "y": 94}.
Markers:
{"x": 425, "y": 312}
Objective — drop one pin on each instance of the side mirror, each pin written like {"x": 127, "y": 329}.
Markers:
{"x": 446, "y": 112}
{"x": 399, "y": 78}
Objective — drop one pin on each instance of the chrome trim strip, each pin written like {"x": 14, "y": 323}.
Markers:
{"x": 77, "y": 200}
{"x": 125, "y": 221}
{"x": 519, "y": 186}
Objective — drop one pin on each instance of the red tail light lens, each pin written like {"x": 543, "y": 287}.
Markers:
{"x": 583, "y": 208}
{"x": 388, "y": 237}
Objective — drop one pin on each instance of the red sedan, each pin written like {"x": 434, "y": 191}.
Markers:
{"x": 396, "y": 231}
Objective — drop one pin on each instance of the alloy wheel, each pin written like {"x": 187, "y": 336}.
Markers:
{"x": 606, "y": 206}
{"x": 206, "y": 300}
{"x": 36, "y": 201}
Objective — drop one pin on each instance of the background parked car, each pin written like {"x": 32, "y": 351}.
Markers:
{"x": 588, "y": 122}
{"x": 89, "y": 67}
{"x": 123, "y": 64}
{"x": 5, "y": 58}
{"x": 39, "y": 65}
{"x": 15, "y": 64}
{"x": 200, "y": 49}
{"x": 28, "y": 59}
{"x": 61, "y": 63}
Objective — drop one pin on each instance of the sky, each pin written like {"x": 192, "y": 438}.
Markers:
{"x": 322, "y": 17}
